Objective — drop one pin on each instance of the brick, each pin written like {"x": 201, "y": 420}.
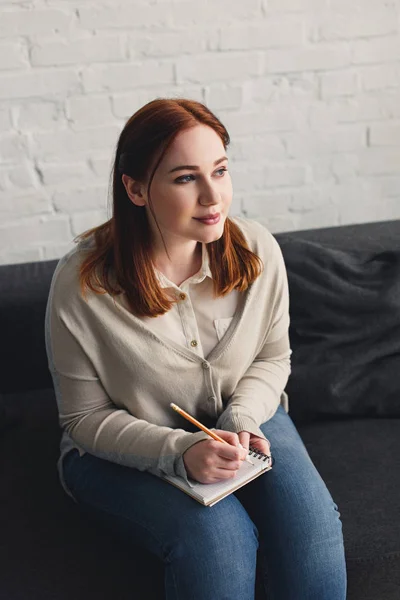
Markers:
{"x": 23, "y": 204}
{"x": 348, "y": 25}
{"x": 5, "y": 119}
{"x": 268, "y": 33}
{"x": 35, "y": 20}
{"x": 18, "y": 176}
{"x": 326, "y": 215}
{"x": 339, "y": 83}
{"x": 318, "y": 58}
{"x": 221, "y": 13}
{"x": 278, "y": 88}
{"x": 12, "y": 147}
{"x": 275, "y": 118}
{"x": 81, "y": 51}
{"x": 377, "y": 161}
{"x": 13, "y": 56}
{"x": 89, "y": 111}
{"x": 284, "y": 175}
{"x": 218, "y": 68}
{"x": 126, "y": 104}
{"x": 385, "y": 134}
{"x": 19, "y": 256}
{"x": 244, "y": 176}
{"x": 124, "y": 77}
{"x": 68, "y": 173}
{"x": 222, "y": 96}
{"x": 291, "y": 5}
{"x": 360, "y": 107}
{"x": 344, "y": 166}
{"x": 154, "y": 44}
{"x": 390, "y": 186}
{"x": 67, "y": 144}
{"x": 376, "y": 50}
{"x": 307, "y": 199}
{"x": 132, "y": 16}
{"x": 81, "y": 222}
{"x": 264, "y": 204}
{"x": 373, "y": 207}
{"x": 83, "y": 199}
{"x": 256, "y": 148}
{"x": 40, "y": 115}
{"x": 39, "y": 83}
{"x": 379, "y": 77}
{"x": 341, "y": 139}
{"x": 101, "y": 167}
{"x": 34, "y": 230}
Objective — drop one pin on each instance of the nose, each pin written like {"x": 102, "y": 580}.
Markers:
{"x": 209, "y": 195}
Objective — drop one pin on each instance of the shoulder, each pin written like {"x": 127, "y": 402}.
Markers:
{"x": 259, "y": 238}
{"x": 65, "y": 284}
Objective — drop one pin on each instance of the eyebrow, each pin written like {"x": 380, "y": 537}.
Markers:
{"x": 195, "y": 167}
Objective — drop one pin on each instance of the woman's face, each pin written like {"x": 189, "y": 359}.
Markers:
{"x": 191, "y": 183}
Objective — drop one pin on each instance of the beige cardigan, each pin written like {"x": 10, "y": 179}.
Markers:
{"x": 114, "y": 378}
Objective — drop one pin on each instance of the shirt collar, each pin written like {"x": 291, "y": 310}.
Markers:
{"x": 198, "y": 277}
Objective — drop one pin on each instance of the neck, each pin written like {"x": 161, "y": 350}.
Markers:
{"x": 182, "y": 262}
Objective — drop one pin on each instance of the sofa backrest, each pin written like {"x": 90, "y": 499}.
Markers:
{"x": 24, "y": 290}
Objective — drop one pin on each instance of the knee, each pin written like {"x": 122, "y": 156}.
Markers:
{"x": 215, "y": 535}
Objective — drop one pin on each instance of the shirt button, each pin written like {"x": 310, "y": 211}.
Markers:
{"x": 206, "y": 365}
{"x": 212, "y": 398}
{"x": 182, "y": 296}
{"x": 193, "y": 343}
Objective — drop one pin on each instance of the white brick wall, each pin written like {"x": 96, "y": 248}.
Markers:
{"x": 308, "y": 89}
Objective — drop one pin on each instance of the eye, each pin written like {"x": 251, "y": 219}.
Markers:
{"x": 184, "y": 178}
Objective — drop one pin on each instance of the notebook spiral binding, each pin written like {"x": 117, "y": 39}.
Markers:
{"x": 261, "y": 456}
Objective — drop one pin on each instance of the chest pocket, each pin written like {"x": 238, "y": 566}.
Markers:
{"x": 221, "y": 326}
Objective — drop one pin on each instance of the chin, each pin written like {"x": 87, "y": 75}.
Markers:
{"x": 215, "y": 233}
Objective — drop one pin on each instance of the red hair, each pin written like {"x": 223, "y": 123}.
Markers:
{"x": 120, "y": 259}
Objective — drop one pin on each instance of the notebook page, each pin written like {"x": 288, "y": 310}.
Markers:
{"x": 214, "y": 490}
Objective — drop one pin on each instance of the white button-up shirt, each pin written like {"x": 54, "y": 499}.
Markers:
{"x": 197, "y": 320}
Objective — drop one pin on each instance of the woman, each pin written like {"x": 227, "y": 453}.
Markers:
{"x": 172, "y": 301}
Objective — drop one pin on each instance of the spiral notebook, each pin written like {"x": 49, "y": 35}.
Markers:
{"x": 211, "y": 493}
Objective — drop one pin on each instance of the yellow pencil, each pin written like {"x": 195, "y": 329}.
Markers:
{"x": 188, "y": 417}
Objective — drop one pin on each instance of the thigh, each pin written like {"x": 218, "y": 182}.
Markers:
{"x": 298, "y": 521}
{"x": 204, "y": 549}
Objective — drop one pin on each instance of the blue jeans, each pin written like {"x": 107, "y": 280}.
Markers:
{"x": 287, "y": 515}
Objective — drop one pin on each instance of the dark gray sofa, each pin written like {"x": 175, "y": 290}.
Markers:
{"x": 344, "y": 396}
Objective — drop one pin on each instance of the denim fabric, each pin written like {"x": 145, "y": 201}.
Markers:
{"x": 210, "y": 552}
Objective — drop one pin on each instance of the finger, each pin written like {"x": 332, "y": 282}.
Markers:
{"x": 222, "y": 474}
{"x": 227, "y": 451}
{"x": 261, "y": 446}
{"x": 229, "y": 465}
{"x": 229, "y": 436}
{"x": 244, "y": 438}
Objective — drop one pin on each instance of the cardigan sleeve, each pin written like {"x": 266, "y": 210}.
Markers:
{"x": 258, "y": 393}
{"x": 95, "y": 424}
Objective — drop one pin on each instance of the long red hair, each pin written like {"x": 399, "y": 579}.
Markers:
{"x": 120, "y": 258}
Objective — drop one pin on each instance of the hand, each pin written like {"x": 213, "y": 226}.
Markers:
{"x": 209, "y": 461}
{"x": 248, "y": 439}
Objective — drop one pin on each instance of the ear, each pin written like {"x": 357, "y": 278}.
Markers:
{"x": 135, "y": 190}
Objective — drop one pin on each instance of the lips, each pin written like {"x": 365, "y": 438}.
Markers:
{"x": 210, "y": 217}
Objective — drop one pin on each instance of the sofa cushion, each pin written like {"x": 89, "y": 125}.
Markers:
{"x": 359, "y": 461}
{"x": 345, "y": 330}
{"x": 46, "y": 538}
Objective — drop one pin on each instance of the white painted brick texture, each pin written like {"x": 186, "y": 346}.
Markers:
{"x": 308, "y": 89}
